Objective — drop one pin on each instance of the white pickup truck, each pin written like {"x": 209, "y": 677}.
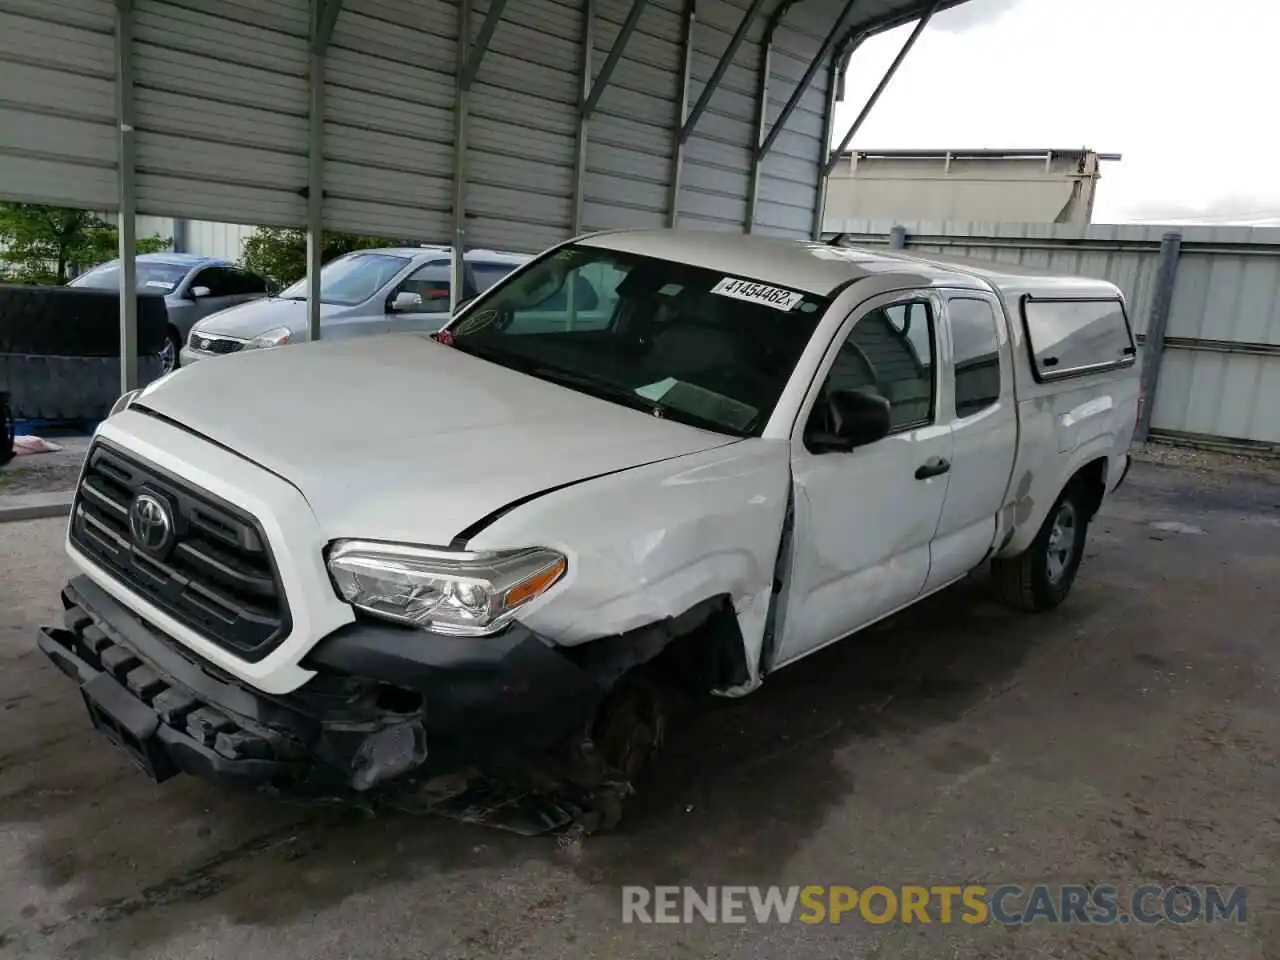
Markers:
{"x": 644, "y": 456}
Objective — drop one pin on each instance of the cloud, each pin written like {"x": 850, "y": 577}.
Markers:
{"x": 971, "y": 14}
{"x": 1227, "y": 210}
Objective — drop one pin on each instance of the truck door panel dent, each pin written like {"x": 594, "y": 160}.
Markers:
{"x": 648, "y": 544}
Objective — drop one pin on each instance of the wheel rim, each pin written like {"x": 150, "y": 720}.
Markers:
{"x": 1062, "y": 542}
{"x": 168, "y": 356}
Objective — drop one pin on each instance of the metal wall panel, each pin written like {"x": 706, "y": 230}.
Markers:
{"x": 57, "y": 90}
{"x": 717, "y": 164}
{"x": 522, "y": 126}
{"x": 790, "y": 175}
{"x": 221, "y": 109}
{"x": 221, "y": 105}
{"x": 1220, "y": 370}
{"x": 388, "y": 131}
{"x": 631, "y": 140}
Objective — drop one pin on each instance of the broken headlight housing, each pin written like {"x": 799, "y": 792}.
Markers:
{"x": 453, "y": 592}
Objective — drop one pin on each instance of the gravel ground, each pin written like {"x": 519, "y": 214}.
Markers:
{"x": 1131, "y": 736}
{"x": 45, "y": 472}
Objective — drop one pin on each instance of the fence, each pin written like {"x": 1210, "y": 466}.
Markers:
{"x": 1208, "y": 322}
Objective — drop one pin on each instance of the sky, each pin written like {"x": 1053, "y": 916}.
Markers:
{"x": 1186, "y": 90}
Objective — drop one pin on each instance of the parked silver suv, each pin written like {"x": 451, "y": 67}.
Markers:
{"x": 383, "y": 290}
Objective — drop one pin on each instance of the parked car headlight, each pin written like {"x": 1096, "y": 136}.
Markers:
{"x": 272, "y": 338}
{"x": 466, "y": 594}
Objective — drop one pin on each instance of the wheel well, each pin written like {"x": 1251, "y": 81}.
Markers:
{"x": 1092, "y": 480}
{"x": 700, "y": 649}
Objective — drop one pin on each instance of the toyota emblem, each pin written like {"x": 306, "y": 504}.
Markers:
{"x": 151, "y": 523}
{"x": 204, "y": 344}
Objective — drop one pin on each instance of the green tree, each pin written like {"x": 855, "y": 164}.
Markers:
{"x": 41, "y": 244}
{"x": 281, "y": 252}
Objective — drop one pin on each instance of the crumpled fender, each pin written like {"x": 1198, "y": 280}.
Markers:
{"x": 649, "y": 543}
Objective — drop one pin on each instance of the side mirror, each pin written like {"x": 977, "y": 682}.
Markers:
{"x": 198, "y": 292}
{"x": 405, "y": 302}
{"x": 853, "y": 419}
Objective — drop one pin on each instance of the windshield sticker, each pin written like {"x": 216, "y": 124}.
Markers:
{"x": 476, "y": 322}
{"x": 760, "y": 293}
{"x": 162, "y": 284}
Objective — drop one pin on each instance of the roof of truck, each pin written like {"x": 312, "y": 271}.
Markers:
{"x": 821, "y": 268}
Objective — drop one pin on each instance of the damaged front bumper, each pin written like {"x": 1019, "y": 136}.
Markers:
{"x": 387, "y": 704}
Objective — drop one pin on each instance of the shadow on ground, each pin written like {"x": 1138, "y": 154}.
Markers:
{"x": 739, "y": 786}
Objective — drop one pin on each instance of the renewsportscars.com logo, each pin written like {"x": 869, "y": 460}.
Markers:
{"x": 1007, "y": 904}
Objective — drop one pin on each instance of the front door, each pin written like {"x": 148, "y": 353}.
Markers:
{"x": 431, "y": 284}
{"x": 864, "y": 520}
{"x": 220, "y": 283}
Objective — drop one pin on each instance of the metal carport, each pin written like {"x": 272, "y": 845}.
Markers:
{"x": 499, "y": 123}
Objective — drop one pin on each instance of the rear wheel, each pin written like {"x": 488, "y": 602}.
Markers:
{"x": 1041, "y": 576}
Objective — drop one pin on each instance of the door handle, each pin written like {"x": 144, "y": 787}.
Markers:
{"x": 933, "y": 467}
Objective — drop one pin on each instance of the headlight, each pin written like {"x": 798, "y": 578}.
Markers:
{"x": 272, "y": 338}
{"x": 123, "y": 402}
{"x": 467, "y": 594}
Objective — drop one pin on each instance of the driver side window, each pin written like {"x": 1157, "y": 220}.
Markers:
{"x": 430, "y": 282}
{"x": 891, "y": 352}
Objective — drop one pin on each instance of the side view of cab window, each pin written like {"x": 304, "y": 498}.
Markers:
{"x": 976, "y": 352}
{"x": 430, "y": 282}
{"x": 890, "y": 352}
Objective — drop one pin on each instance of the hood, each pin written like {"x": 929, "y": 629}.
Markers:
{"x": 247, "y": 320}
{"x": 396, "y": 437}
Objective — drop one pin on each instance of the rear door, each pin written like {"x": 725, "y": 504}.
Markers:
{"x": 982, "y": 416}
{"x": 864, "y": 519}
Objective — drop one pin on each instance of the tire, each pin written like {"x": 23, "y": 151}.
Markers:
{"x": 1039, "y": 578}
{"x": 171, "y": 351}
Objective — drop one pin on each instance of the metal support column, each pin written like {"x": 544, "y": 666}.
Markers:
{"x": 1157, "y": 324}
{"x": 593, "y": 91}
{"x": 469, "y": 57}
{"x": 315, "y": 191}
{"x": 828, "y": 122}
{"x": 324, "y": 17}
{"x": 127, "y": 221}
{"x": 762, "y": 119}
{"x": 584, "y": 77}
{"x": 686, "y": 78}
{"x": 457, "y": 278}
{"x": 880, "y": 88}
{"x": 897, "y": 237}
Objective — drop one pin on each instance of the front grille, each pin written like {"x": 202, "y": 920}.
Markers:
{"x": 215, "y": 573}
{"x": 218, "y": 345}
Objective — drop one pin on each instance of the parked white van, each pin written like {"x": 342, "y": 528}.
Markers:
{"x": 643, "y": 458}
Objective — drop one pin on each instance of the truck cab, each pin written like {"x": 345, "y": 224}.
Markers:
{"x": 643, "y": 458}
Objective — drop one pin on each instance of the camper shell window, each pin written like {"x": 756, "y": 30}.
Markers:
{"x": 1076, "y": 337}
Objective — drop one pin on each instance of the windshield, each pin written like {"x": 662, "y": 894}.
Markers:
{"x": 678, "y": 341}
{"x": 351, "y": 279}
{"x": 153, "y": 276}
